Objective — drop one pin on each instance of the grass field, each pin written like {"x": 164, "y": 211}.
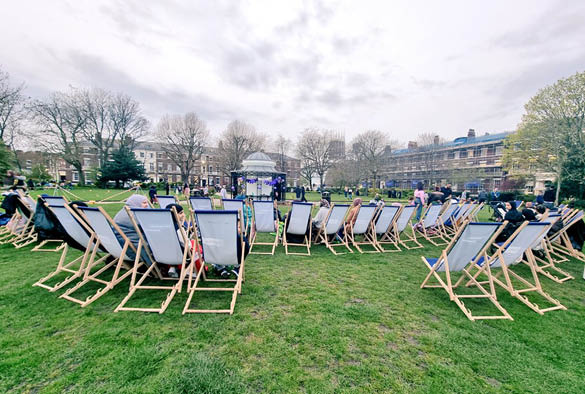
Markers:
{"x": 313, "y": 324}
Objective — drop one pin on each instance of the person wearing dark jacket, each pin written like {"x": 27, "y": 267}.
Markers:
{"x": 514, "y": 219}
{"x": 529, "y": 212}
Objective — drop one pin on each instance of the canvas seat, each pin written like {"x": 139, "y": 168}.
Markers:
{"x": 164, "y": 201}
{"x": 446, "y": 218}
{"x": 105, "y": 231}
{"x": 364, "y": 227}
{"x": 80, "y": 237}
{"x": 57, "y": 243}
{"x": 384, "y": 228}
{"x": 233, "y": 205}
{"x": 508, "y": 255}
{"x": 21, "y": 231}
{"x": 263, "y": 222}
{"x": 402, "y": 224}
{"x": 468, "y": 245}
{"x": 200, "y": 203}
{"x": 332, "y": 229}
{"x": 298, "y": 223}
{"x": 429, "y": 225}
{"x": 544, "y": 262}
{"x": 156, "y": 229}
{"x": 219, "y": 241}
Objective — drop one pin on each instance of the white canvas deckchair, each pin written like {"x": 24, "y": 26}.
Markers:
{"x": 467, "y": 246}
{"x": 545, "y": 265}
{"x": 401, "y": 225}
{"x": 330, "y": 228}
{"x": 298, "y": 223}
{"x": 219, "y": 242}
{"x": 560, "y": 243}
{"x": 364, "y": 227}
{"x": 384, "y": 228}
{"x": 57, "y": 201}
{"x": 200, "y": 203}
{"x": 164, "y": 201}
{"x": 157, "y": 234}
{"x": 105, "y": 230}
{"x": 446, "y": 219}
{"x": 21, "y": 231}
{"x": 82, "y": 234}
{"x": 233, "y": 205}
{"x": 429, "y": 225}
{"x": 510, "y": 254}
{"x": 263, "y": 222}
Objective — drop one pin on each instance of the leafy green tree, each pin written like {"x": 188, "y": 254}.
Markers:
{"x": 6, "y": 158}
{"x": 123, "y": 167}
{"x": 39, "y": 173}
{"x": 551, "y": 131}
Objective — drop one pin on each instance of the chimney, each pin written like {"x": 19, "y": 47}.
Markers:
{"x": 412, "y": 145}
{"x": 436, "y": 140}
{"x": 471, "y": 133}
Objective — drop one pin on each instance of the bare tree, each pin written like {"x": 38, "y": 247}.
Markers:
{"x": 429, "y": 144}
{"x": 182, "y": 139}
{"x": 11, "y": 105}
{"x": 110, "y": 120}
{"x": 314, "y": 148}
{"x": 282, "y": 145}
{"x": 127, "y": 120}
{"x": 237, "y": 141}
{"x": 307, "y": 172}
{"x": 370, "y": 148}
{"x": 60, "y": 128}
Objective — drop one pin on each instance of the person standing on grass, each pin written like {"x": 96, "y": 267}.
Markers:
{"x": 152, "y": 194}
{"x": 419, "y": 199}
{"x": 223, "y": 192}
{"x": 303, "y": 199}
{"x": 186, "y": 190}
{"x": 167, "y": 188}
{"x": 345, "y": 191}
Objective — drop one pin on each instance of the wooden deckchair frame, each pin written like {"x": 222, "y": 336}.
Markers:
{"x": 475, "y": 212}
{"x": 546, "y": 266}
{"x": 20, "y": 236}
{"x": 323, "y": 236}
{"x": 389, "y": 236}
{"x": 449, "y": 287}
{"x": 64, "y": 266}
{"x": 448, "y": 231}
{"x": 436, "y": 226}
{"x": 42, "y": 246}
{"x": 306, "y": 244}
{"x": 369, "y": 236}
{"x": 153, "y": 269}
{"x": 409, "y": 238}
{"x": 561, "y": 246}
{"x": 509, "y": 274}
{"x": 201, "y": 276}
{"x": 89, "y": 277}
{"x": 254, "y": 234}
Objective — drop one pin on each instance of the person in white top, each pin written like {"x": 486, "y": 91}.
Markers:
{"x": 223, "y": 193}
{"x": 321, "y": 215}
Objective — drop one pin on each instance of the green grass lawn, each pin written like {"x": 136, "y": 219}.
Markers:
{"x": 315, "y": 324}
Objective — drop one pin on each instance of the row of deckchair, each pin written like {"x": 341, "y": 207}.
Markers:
{"x": 97, "y": 235}
{"x": 472, "y": 260}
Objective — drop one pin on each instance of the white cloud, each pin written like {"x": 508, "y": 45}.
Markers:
{"x": 402, "y": 67}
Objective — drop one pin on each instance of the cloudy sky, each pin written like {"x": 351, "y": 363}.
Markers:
{"x": 401, "y": 67}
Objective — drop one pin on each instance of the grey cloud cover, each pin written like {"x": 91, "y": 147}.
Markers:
{"x": 402, "y": 67}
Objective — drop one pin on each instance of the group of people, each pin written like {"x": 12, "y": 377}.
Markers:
{"x": 139, "y": 201}
{"x": 186, "y": 189}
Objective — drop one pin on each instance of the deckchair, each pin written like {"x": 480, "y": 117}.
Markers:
{"x": 200, "y": 203}
{"x": 298, "y": 222}
{"x": 446, "y": 219}
{"x": 509, "y": 254}
{"x": 219, "y": 242}
{"x": 105, "y": 230}
{"x": 430, "y": 223}
{"x": 467, "y": 246}
{"x": 233, "y": 205}
{"x": 364, "y": 227}
{"x": 473, "y": 214}
{"x": 384, "y": 228}
{"x": 158, "y": 237}
{"x": 460, "y": 215}
{"x": 263, "y": 222}
{"x": 21, "y": 230}
{"x": 82, "y": 237}
{"x": 164, "y": 201}
{"x": 401, "y": 225}
{"x": 560, "y": 243}
{"x": 332, "y": 226}
{"x": 53, "y": 201}
{"x": 545, "y": 265}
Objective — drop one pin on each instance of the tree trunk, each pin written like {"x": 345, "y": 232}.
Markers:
{"x": 558, "y": 189}
{"x": 320, "y": 182}
{"x": 79, "y": 169}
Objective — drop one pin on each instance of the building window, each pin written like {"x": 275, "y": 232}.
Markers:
{"x": 151, "y": 166}
{"x": 210, "y": 169}
{"x": 169, "y": 167}
{"x": 491, "y": 150}
{"x": 152, "y": 155}
{"x": 160, "y": 167}
{"x": 178, "y": 169}
{"x": 451, "y": 155}
{"x": 86, "y": 162}
{"x": 141, "y": 154}
{"x": 159, "y": 155}
{"x": 463, "y": 153}
{"x": 477, "y": 151}
{"x": 75, "y": 176}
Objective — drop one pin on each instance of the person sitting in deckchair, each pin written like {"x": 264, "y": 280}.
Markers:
{"x": 529, "y": 212}
{"x": 125, "y": 224}
{"x": 514, "y": 219}
{"x": 320, "y": 216}
{"x": 352, "y": 215}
